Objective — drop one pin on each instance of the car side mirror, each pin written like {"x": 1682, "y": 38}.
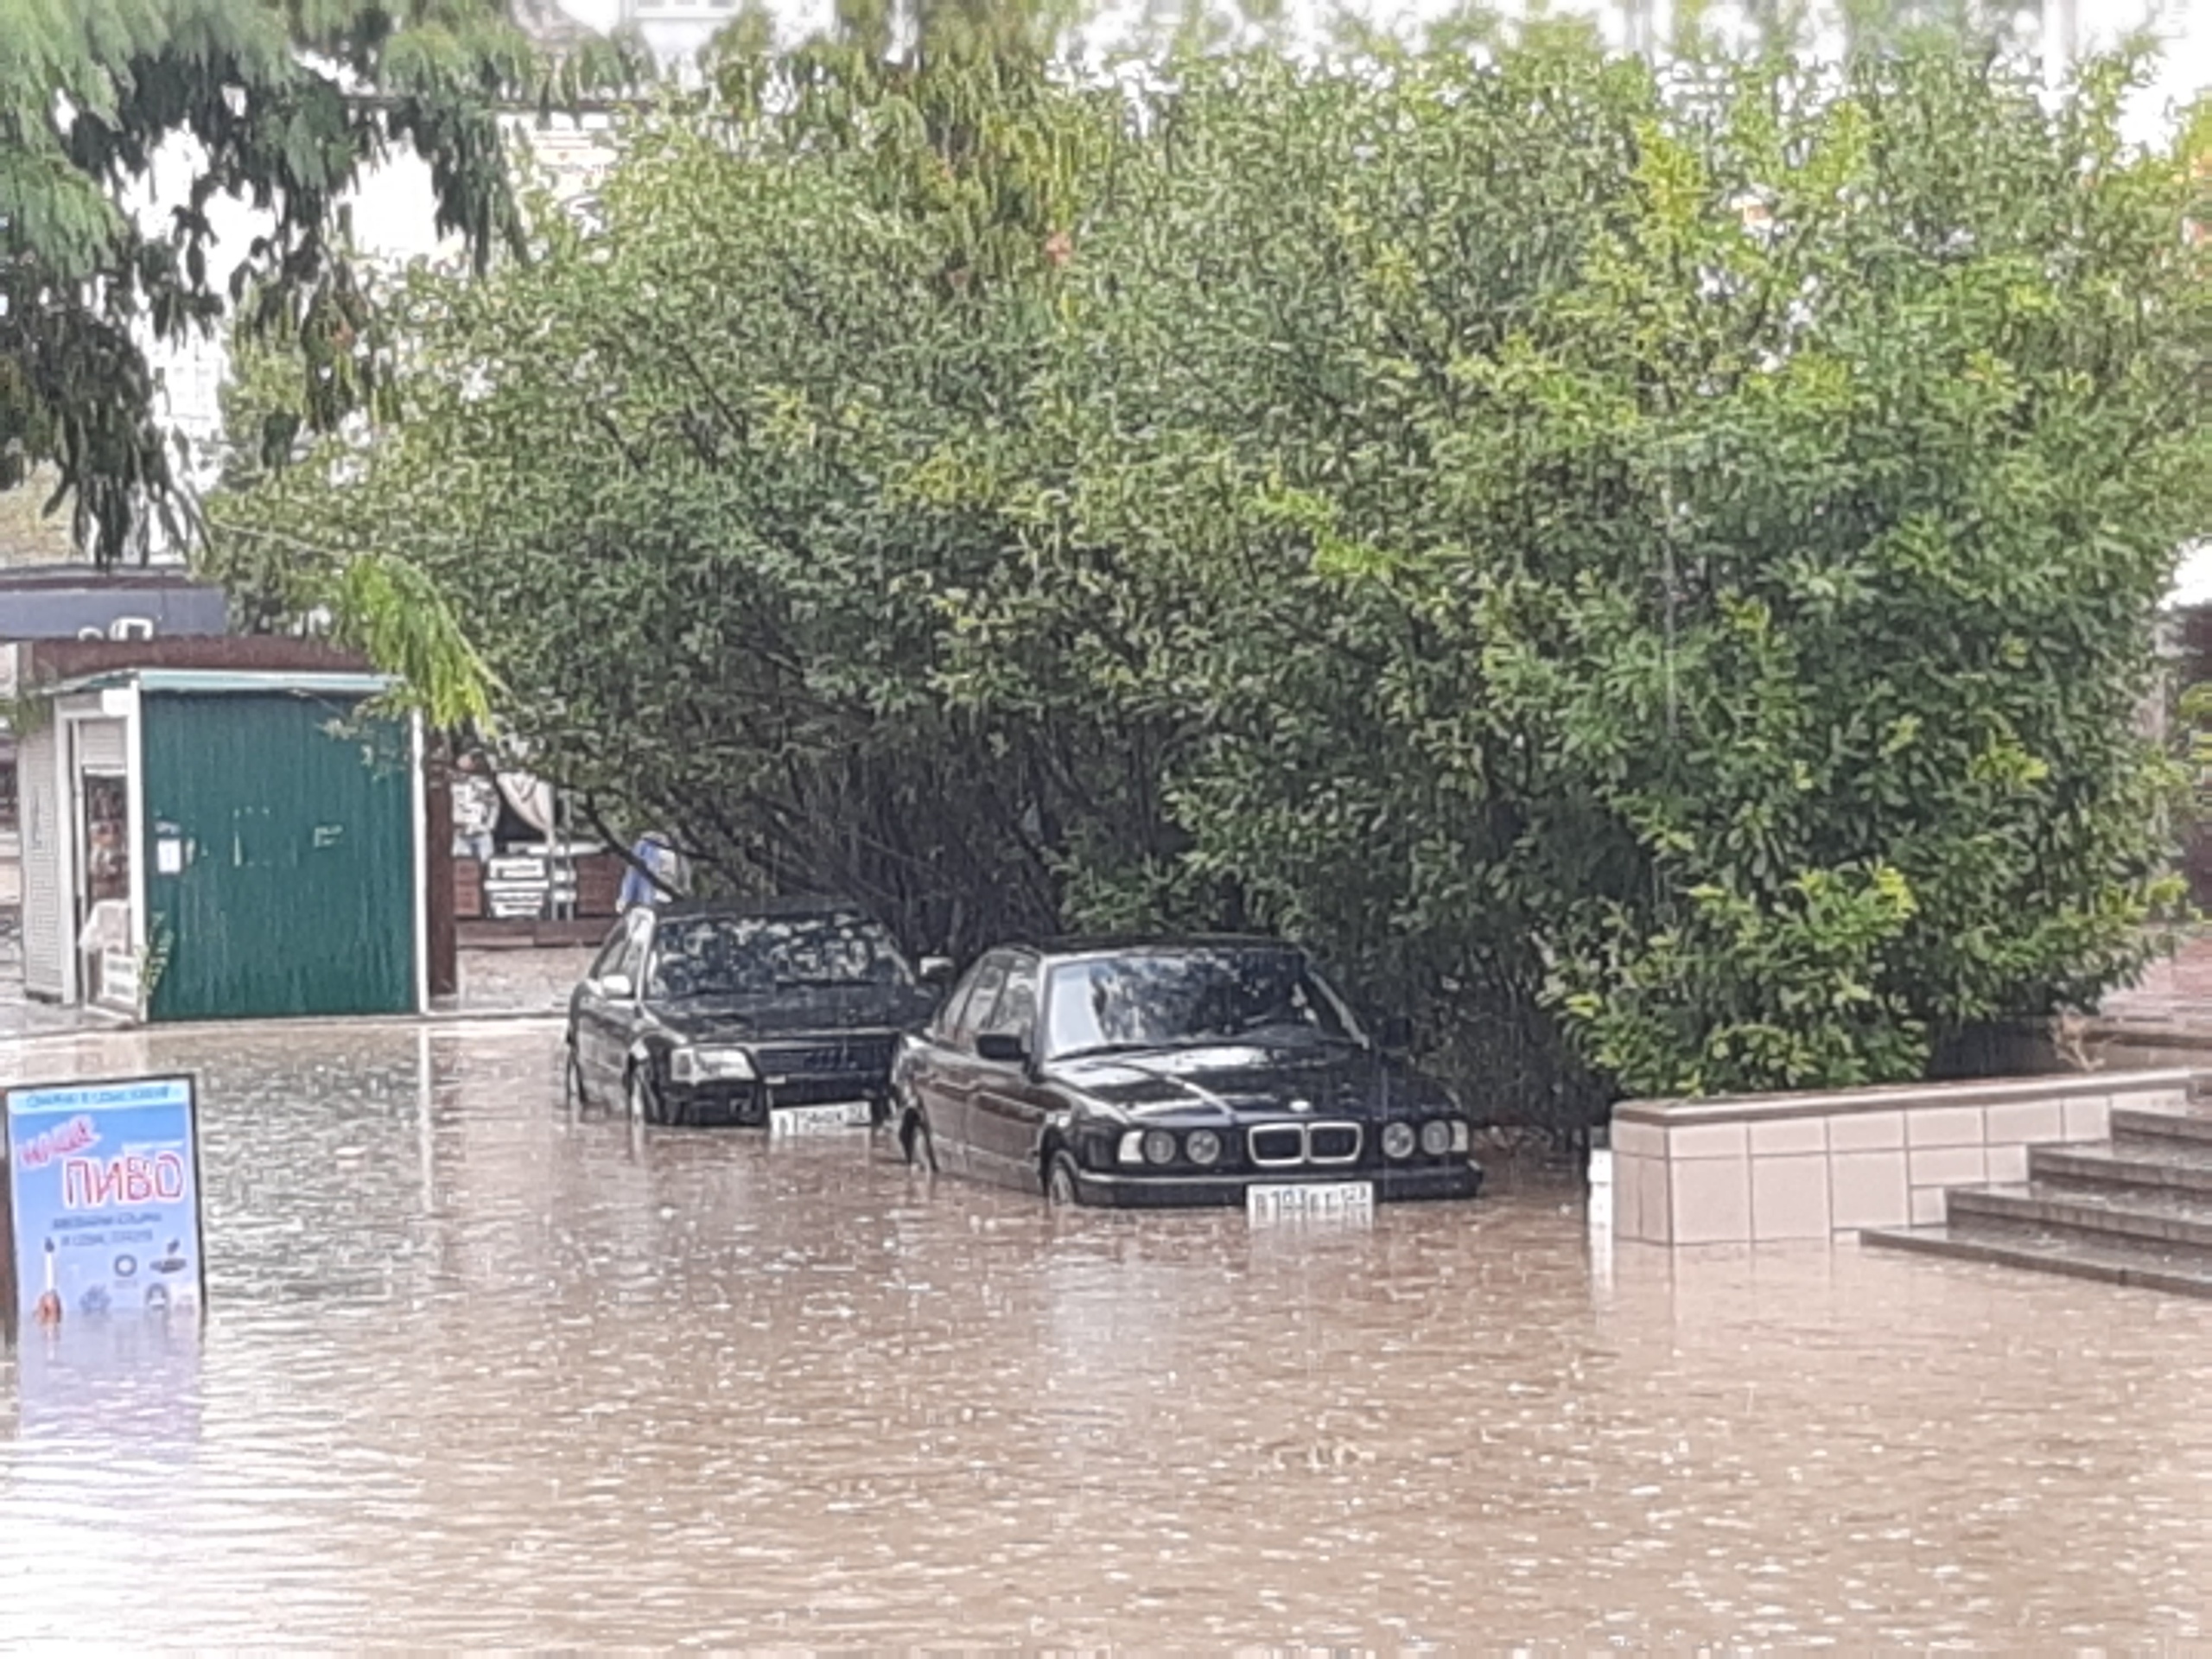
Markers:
{"x": 618, "y": 987}
{"x": 934, "y": 971}
{"x": 1395, "y": 1034}
{"x": 1002, "y": 1046}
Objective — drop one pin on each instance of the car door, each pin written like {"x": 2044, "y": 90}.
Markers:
{"x": 919, "y": 1073}
{"x": 584, "y": 1000}
{"x": 947, "y": 1082}
{"x": 604, "y": 1018}
{"x": 1008, "y": 1108}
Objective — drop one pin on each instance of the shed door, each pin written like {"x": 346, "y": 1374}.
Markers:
{"x": 280, "y": 861}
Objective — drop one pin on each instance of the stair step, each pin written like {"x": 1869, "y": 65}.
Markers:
{"x": 2113, "y": 1262}
{"x": 2164, "y": 1220}
{"x": 2130, "y": 1124}
{"x": 2180, "y": 1167}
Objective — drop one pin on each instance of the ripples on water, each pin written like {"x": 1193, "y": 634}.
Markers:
{"x": 480, "y": 1373}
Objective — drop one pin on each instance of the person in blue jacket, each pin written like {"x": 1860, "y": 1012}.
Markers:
{"x": 657, "y": 856}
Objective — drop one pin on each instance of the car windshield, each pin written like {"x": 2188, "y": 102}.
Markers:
{"x": 758, "y": 956}
{"x": 1163, "y": 998}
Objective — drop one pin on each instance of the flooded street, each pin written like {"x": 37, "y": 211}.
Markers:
{"x": 478, "y": 1372}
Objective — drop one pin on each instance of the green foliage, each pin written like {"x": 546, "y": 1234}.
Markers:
{"x": 281, "y": 106}
{"x": 1706, "y": 569}
{"x": 1654, "y": 578}
{"x": 740, "y": 512}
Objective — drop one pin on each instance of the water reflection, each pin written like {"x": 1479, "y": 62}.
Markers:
{"x": 103, "y": 1382}
{"x": 481, "y": 1369}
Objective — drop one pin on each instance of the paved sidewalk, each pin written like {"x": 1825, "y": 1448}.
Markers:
{"x": 517, "y": 982}
{"x": 2172, "y": 1001}
{"x": 494, "y": 983}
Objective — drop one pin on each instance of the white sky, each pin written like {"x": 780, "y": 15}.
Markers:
{"x": 2186, "y": 25}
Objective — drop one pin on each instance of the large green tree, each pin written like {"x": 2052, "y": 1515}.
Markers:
{"x": 1655, "y": 576}
{"x": 736, "y": 369}
{"x": 1682, "y": 564}
{"x": 282, "y": 104}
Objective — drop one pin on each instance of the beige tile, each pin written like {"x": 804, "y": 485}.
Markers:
{"x": 1713, "y": 1200}
{"x": 1928, "y": 1206}
{"x": 1943, "y": 1126}
{"x": 1627, "y": 1194}
{"x": 1790, "y": 1197}
{"x": 1655, "y": 1208}
{"x": 1945, "y": 1166}
{"x": 2088, "y": 1117}
{"x": 1865, "y": 1131}
{"x": 2027, "y": 1122}
{"x": 1706, "y": 1140}
{"x": 1639, "y": 1140}
{"x": 1789, "y": 1134}
{"x": 1868, "y": 1189}
{"x": 2008, "y": 1163}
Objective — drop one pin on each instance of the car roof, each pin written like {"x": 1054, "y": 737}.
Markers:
{"x": 795, "y": 905}
{"x": 1131, "y": 944}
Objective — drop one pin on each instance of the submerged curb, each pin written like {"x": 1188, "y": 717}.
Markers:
{"x": 12, "y": 1041}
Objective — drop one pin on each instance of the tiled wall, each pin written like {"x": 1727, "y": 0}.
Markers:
{"x": 1754, "y": 1168}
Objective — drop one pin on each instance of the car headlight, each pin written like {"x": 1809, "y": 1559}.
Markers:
{"x": 710, "y": 1065}
{"x": 1158, "y": 1147}
{"x": 1131, "y": 1151}
{"x": 1397, "y": 1140}
{"x": 1201, "y": 1146}
{"x": 1436, "y": 1137}
{"x": 1461, "y": 1137}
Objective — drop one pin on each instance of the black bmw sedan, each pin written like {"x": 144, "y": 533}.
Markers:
{"x": 698, "y": 1014}
{"x": 1199, "y": 1072}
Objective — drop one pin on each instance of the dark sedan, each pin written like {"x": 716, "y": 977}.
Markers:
{"x": 705, "y": 1013}
{"x": 1201, "y": 1072}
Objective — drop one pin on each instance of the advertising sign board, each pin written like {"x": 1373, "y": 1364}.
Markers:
{"x": 103, "y": 1192}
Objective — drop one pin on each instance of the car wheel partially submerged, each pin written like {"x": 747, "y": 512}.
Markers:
{"x": 916, "y": 1142}
{"x": 1060, "y": 1184}
{"x": 573, "y": 1092}
{"x": 644, "y": 1106}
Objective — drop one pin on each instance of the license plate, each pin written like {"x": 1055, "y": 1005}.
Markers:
{"x": 1311, "y": 1201}
{"x": 814, "y": 1120}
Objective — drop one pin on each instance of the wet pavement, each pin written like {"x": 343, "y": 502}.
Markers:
{"x": 529, "y": 981}
{"x": 479, "y": 1371}
{"x": 2172, "y": 1000}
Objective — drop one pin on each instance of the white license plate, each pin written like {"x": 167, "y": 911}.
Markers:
{"x": 814, "y": 1120}
{"x": 1311, "y": 1201}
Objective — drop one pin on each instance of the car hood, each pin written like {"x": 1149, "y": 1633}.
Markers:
{"x": 797, "y": 1011}
{"x": 1240, "y": 1080}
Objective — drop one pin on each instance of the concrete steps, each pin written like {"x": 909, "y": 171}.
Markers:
{"x": 2060, "y": 1253}
{"x": 2135, "y": 1211}
{"x": 2143, "y": 1215}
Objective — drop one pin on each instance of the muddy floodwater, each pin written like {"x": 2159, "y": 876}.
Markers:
{"x": 480, "y": 1373}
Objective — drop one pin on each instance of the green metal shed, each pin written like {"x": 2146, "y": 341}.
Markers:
{"x": 232, "y": 845}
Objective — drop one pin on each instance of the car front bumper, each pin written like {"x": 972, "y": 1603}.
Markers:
{"x": 747, "y": 1105}
{"x": 1140, "y": 1189}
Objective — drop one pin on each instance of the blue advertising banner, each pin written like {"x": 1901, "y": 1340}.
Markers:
{"x": 104, "y": 1198}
